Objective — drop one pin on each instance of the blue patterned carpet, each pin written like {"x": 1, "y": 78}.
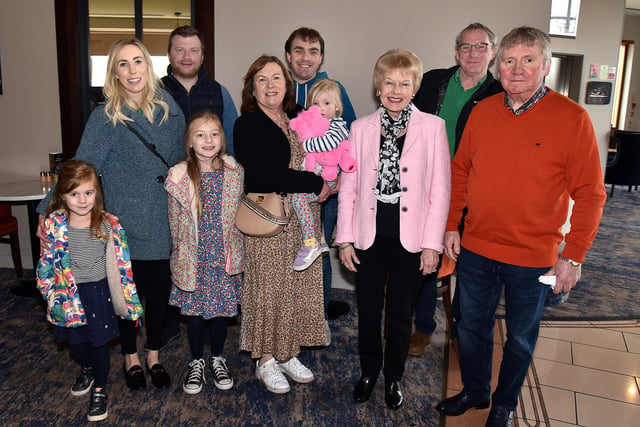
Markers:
{"x": 610, "y": 285}
{"x": 35, "y": 378}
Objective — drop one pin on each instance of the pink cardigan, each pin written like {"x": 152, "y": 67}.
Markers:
{"x": 425, "y": 181}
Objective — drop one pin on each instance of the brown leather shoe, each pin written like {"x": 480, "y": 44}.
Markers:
{"x": 419, "y": 341}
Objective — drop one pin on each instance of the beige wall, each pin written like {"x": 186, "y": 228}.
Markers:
{"x": 632, "y": 32}
{"x": 356, "y": 33}
{"x": 29, "y": 106}
{"x": 598, "y": 39}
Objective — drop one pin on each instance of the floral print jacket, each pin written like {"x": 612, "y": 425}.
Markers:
{"x": 57, "y": 285}
{"x": 183, "y": 220}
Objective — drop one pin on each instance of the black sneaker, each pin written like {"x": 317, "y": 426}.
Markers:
{"x": 195, "y": 377}
{"x": 83, "y": 382}
{"x": 97, "y": 406}
{"x": 221, "y": 377}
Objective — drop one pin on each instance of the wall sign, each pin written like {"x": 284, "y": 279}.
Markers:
{"x": 598, "y": 93}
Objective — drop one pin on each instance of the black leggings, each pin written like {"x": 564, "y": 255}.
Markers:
{"x": 196, "y": 333}
{"x": 153, "y": 281}
{"x": 93, "y": 357}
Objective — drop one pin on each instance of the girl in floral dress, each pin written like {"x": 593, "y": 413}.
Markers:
{"x": 207, "y": 257}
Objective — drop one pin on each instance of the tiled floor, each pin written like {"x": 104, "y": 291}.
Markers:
{"x": 583, "y": 374}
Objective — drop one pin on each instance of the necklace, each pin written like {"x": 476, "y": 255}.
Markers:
{"x": 279, "y": 119}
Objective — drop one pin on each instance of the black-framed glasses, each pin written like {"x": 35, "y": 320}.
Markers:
{"x": 480, "y": 47}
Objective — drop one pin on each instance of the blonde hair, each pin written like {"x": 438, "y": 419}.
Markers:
{"x": 330, "y": 87}
{"x": 117, "y": 96}
{"x": 398, "y": 59}
{"x": 193, "y": 166}
{"x": 73, "y": 173}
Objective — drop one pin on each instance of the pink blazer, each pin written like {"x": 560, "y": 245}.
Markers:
{"x": 425, "y": 181}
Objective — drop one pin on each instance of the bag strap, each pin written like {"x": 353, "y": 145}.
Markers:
{"x": 147, "y": 144}
{"x": 263, "y": 213}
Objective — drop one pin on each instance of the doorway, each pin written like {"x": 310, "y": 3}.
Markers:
{"x": 565, "y": 75}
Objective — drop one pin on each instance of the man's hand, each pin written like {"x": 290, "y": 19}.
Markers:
{"x": 452, "y": 244}
{"x": 566, "y": 276}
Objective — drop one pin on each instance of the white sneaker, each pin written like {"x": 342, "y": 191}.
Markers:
{"x": 296, "y": 370}
{"x": 327, "y": 334}
{"x": 271, "y": 377}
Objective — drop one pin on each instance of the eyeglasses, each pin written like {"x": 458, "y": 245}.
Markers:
{"x": 466, "y": 47}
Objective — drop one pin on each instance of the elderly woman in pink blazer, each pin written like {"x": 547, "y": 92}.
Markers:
{"x": 391, "y": 217}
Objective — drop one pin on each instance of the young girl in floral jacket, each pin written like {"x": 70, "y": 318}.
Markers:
{"x": 208, "y": 250}
{"x": 85, "y": 277}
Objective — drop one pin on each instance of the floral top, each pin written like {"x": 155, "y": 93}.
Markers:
{"x": 57, "y": 285}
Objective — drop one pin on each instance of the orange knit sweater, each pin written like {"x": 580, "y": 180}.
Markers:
{"x": 515, "y": 175}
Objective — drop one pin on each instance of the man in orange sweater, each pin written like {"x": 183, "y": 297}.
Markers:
{"x": 522, "y": 156}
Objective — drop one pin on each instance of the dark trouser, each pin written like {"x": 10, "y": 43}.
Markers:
{"x": 426, "y": 305}
{"x": 386, "y": 262}
{"x": 153, "y": 281}
{"x": 329, "y": 218}
{"x": 479, "y": 284}
{"x": 93, "y": 357}
{"x": 196, "y": 333}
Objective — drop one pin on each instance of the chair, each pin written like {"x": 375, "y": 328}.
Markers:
{"x": 444, "y": 286}
{"x": 624, "y": 168}
{"x": 9, "y": 226}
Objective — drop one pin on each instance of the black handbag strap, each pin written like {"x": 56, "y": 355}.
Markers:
{"x": 147, "y": 144}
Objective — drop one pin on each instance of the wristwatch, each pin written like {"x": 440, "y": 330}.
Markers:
{"x": 570, "y": 261}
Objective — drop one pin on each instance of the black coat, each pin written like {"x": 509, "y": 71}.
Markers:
{"x": 264, "y": 152}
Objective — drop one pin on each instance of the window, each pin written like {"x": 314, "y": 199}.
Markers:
{"x": 564, "y": 18}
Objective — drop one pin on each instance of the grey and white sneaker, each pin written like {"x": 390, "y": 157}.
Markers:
{"x": 271, "y": 377}
{"x": 194, "y": 380}
{"x": 221, "y": 376}
{"x": 296, "y": 370}
{"x": 83, "y": 383}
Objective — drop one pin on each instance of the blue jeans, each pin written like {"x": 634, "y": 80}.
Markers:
{"x": 426, "y": 305}
{"x": 479, "y": 284}
{"x": 329, "y": 218}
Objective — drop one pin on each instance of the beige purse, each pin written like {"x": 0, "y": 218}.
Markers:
{"x": 262, "y": 214}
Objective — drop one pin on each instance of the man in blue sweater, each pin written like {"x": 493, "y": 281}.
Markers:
{"x": 189, "y": 84}
{"x": 304, "y": 52}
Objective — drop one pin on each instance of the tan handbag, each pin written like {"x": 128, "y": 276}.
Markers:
{"x": 262, "y": 214}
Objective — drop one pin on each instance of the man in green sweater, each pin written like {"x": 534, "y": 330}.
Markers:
{"x": 523, "y": 154}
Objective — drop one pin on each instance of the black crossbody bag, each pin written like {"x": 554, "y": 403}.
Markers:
{"x": 151, "y": 148}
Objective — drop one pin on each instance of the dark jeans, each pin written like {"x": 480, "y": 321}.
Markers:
{"x": 329, "y": 218}
{"x": 479, "y": 284}
{"x": 426, "y": 305}
{"x": 153, "y": 282}
{"x": 386, "y": 272}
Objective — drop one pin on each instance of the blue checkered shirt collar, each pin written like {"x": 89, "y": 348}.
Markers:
{"x": 540, "y": 93}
